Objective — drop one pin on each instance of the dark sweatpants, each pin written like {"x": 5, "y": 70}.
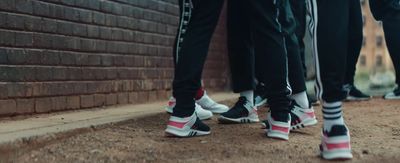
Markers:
{"x": 330, "y": 30}
{"x": 255, "y": 30}
{"x": 198, "y": 20}
{"x": 355, "y": 40}
{"x": 241, "y": 49}
{"x": 391, "y": 27}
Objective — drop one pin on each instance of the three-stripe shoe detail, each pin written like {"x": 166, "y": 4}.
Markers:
{"x": 302, "y": 117}
{"x": 186, "y": 127}
{"x": 242, "y": 112}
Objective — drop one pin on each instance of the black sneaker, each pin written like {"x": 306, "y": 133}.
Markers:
{"x": 395, "y": 95}
{"x": 356, "y": 95}
{"x": 260, "y": 98}
{"x": 242, "y": 112}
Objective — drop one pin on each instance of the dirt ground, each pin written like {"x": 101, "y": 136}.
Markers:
{"x": 374, "y": 128}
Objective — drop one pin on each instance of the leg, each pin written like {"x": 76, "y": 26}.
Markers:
{"x": 355, "y": 40}
{"x": 391, "y": 28}
{"x": 299, "y": 11}
{"x": 355, "y": 43}
{"x": 271, "y": 61}
{"x": 192, "y": 51}
{"x": 200, "y": 17}
{"x": 329, "y": 28}
{"x": 240, "y": 48}
{"x": 241, "y": 56}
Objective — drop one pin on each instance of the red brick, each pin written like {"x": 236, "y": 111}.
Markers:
{"x": 133, "y": 97}
{"x": 87, "y": 101}
{"x": 43, "y": 105}
{"x": 73, "y": 102}
{"x": 111, "y": 99}
{"x": 143, "y": 97}
{"x": 25, "y": 106}
{"x": 123, "y": 98}
{"x": 99, "y": 56}
{"x": 8, "y": 107}
{"x": 59, "y": 103}
{"x": 3, "y": 91}
{"x": 99, "y": 100}
{"x": 153, "y": 96}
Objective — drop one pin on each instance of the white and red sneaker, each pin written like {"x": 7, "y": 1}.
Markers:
{"x": 277, "y": 129}
{"x": 302, "y": 117}
{"x": 336, "y": 143}
{"x": 201, "y": 113}
{"x": 209, "y": 104}
{"x": 186, "y": 127}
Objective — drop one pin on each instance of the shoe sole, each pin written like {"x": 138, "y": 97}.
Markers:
{"x": 225, "y": 120}
{"x": 217, "y": 111}
{"x": 352, "y": 98}
{"x": 172, "y": 132}
{"x": 304, "y": 124}
{"x": 277, "y": 135}
{"x": 298, "y": 126}
{"x": 392, "y": 98}
{"x": 337, "y": 155}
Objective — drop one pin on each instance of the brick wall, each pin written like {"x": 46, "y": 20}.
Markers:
{"x": 72, "y": 54}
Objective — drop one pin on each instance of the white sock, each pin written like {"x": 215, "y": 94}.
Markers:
{"x": 249, "y": 96}
{"x": 301, "y": 99}
{"x": 333, "y": 114}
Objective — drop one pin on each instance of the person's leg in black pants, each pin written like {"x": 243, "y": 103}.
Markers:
{"x": 355, "y": 43}
{"x": 241, "y": 59}
{"x": 240, "y": 51}
{"x": 391, "y": 27}
{"x": 200, "y": 18}
{"x": 271, "y": 61}
{"x": 299, "y": 11}
{"x": 330, "y": 26}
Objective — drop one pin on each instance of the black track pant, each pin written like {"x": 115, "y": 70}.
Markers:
{"x": 299, "y": 9}
{"x": 198, "y": 20}
{"x": 391, "y": 27}
{"x": 330, "y": 30}
{"x": 241, "y": 49}
{"x": 355, "y": 40}
{"x": 255, "y": 23}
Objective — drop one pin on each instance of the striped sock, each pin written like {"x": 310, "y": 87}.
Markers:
{"x": 333, "y": 114}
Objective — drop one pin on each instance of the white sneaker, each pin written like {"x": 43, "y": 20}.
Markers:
{"x": 207, "y": 103}
{"x": 201, "y": 113}
{"x": 395, "y": 95}
{"x": 186, "y": 127}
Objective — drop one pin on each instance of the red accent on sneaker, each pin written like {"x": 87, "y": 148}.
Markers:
{"x": 171, "y": 103}
{"x": 176, "y": 124}
{"x": 199, "y": 94}
{"x": 279, "y": 128}
{"x": 311, "y": 114}
{"x": 333, "y": 146}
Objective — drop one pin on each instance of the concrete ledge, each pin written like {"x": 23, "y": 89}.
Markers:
{"x": 23, "y": 130}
